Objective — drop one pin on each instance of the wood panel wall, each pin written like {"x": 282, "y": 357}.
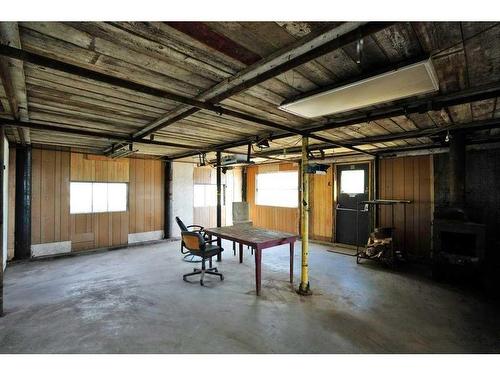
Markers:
{"x": 321, "y": 206}
{"x": 96, "y": 168}
{"x": 277, "y": 218}
{"x": 146, "y": 195}
{"x": 409, "y": 178}
{"x": 207, "y": 216}
{"x": 51, "y": 218}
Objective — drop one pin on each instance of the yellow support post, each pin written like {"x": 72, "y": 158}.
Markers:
{"x": 304, "y": 287}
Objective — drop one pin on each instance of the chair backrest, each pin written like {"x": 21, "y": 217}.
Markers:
{"x": 193, "y": 241}
{"x": 181, "y": 224}
{"x": 240, "y": 211}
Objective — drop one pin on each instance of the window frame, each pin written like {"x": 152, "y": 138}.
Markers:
{"x": 343, "y": 178}
{"x": 297, "y": 189}
{"x": 127, "y": 190}
{"x": 223, "y": 192}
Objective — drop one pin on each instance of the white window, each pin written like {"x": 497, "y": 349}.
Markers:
{"x": 352, "y": 182}
{"x": 205, "y": 195}
{"x": 278, "y": 189}
{"x": 89, "y": 197}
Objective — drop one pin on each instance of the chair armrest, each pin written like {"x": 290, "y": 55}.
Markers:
{"x": 210, "y": 241}
{"x": 200, "y": 228}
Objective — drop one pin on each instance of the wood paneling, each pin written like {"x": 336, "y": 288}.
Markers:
{"x": 321, "y": 206}
{"x": 278, "y": 218}
{"x": 408, "y": 178}
{"x": 146, "y": 195}
{"x": 96, "y": 168}
{"x": 51, "y": 218}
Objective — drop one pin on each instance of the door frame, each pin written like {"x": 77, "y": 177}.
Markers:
{"x": 336, "y": 188}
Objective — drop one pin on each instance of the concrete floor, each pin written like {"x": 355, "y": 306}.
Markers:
{"x": 134, "y": 301}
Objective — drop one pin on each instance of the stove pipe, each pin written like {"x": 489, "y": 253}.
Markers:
{"x": 457, "y": 170}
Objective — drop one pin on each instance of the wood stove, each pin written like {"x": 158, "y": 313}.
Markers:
{"x": 456, "y": 240}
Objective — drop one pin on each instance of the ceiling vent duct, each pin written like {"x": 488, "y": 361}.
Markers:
{"x": 411, "y": 80}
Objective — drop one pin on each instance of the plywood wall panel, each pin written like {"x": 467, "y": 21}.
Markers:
{"x": 321, "y": 206}
{"x": 149, "y": 197}
{"x": 132, "y": 197}
{"x": 36, "y": 199}
{"x": 158, "y": 185}
{"x": 146, "y": 196}
{"x": 51, "y": 218}
{"x": 139, "y": 196}
{"x": 96, "y": 168}
{"x": 50, "y": 196}
{"x": 408, "y": 178}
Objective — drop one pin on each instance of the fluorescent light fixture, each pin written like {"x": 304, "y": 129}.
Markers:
{"x": 411, "y": 80}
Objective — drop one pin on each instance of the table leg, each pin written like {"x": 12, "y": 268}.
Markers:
{"x": 291, "y": 262}
{"x": 258, "y": 258}
{"x": 234, "y": 248}
{"x": 219, "y": 243}
{"x": 241, "y": 253}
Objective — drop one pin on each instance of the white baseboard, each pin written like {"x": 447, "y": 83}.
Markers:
{"x": 50, "y": 248}
{"x": 145, "y": 236}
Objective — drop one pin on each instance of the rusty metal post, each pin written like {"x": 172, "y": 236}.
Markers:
{"x": 219, "y": 200}
{"x": 304, "y": 287}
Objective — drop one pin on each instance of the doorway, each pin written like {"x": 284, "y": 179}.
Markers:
{"x": 353, "y": 187}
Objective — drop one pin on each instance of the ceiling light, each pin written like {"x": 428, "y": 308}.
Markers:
{"x": 411, "y": 80}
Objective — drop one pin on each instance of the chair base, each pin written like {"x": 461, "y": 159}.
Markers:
{"x": 190, "y": 258}
{"x": 202, "y": 272}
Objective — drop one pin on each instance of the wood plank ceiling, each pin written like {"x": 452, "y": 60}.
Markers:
{"x": 191, "y": 58}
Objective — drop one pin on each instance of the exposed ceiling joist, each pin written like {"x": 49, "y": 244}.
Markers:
{"x": 93, "y": 134}
{"x": 300, "y": 52}
{"x": 468, "y": 127}
{"x": 13, "y": 78}
{"x": 435, "y": 103}
{"x": 87, "y": 73}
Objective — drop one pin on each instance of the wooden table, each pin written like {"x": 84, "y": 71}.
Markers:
{"x": 258, "y": 239}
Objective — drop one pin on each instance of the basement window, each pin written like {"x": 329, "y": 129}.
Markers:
{"x": 278, "y": 189}
{"x": 94, "y": 197}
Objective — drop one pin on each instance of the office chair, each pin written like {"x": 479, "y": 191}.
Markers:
{"x": 189, "y": 228}
{"x": 196, "y": 244}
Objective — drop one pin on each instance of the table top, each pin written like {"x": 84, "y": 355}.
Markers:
{"x": 252, "y": 236}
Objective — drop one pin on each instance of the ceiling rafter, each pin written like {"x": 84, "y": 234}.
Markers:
{"x": 87, "y": 73}
{"x": 299, "y": 53}
{"x": 429, "y": 132}
{"x": 406, "y": 107}
{"x": 13, "y": 78}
